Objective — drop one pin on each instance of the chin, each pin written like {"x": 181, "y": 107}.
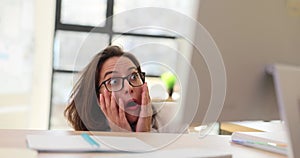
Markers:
{"x": 131, "y": 118}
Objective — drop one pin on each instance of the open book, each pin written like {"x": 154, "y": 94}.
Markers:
{"x": 85, "y": 143}
{"x": 270, "y": 141}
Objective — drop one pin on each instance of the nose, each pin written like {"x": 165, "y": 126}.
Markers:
{"x": 127, "y": 87}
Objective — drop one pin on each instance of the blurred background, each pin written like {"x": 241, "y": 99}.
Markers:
{"x": 40, "y": 40}
{"x": 39, "y": 44}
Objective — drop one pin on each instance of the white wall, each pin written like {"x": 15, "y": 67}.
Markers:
{"x": 42, "y": 68}
{"x": 26, "y": 38}
{"x": 249, "y": 34}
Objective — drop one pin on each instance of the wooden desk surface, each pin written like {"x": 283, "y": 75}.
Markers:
{"x": 17, "y": 139}
{"x": 251, "y": 126}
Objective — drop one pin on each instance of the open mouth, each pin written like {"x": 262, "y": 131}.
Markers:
{"x": 132, "y": 105}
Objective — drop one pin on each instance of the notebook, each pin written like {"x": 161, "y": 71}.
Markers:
{"x": 131, "y": 145}
{"x": 80, "y": 143}
{"x": 270, "y": 141}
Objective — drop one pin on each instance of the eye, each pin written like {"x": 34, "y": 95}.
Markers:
{"x": 113, "y": 81}
{"x": 134, "y": 76}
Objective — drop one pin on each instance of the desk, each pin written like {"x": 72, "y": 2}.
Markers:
{"x": 16, "y": 139}
{"x": 251, "y": 126}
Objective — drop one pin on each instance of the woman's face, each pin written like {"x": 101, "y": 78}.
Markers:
{"x": 131, "y": 96}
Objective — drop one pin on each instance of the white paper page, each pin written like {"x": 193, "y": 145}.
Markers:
{"x": 130, "y": 144}
{"x": 76, "y": 143}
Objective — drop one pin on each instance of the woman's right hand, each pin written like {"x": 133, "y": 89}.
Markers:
{"x": 114, "y": 114}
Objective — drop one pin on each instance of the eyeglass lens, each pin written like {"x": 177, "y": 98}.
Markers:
{"x": 117, "y": 83}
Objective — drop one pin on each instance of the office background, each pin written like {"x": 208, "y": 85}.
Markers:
{"x": 36, "y": 73}
{"x": 57, "y": 29}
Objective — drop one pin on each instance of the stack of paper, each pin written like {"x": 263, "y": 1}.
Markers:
{"x": 270, "y": 141}
{"x": 79, "y": 143}
{"x": 132, "y": 146}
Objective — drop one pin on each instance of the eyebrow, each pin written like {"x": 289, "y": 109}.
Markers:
{"x": 110, "y": 72}
{"x": 132, "y": 68}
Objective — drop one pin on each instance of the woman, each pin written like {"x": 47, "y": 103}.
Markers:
{"x": 111, "y": 95}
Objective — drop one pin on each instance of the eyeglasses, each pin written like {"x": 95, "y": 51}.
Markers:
{"x": 117, "y": 83}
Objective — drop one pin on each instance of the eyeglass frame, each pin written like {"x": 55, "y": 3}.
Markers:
{"x": 142, "y": 76}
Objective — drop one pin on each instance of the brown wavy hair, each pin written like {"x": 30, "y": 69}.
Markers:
{"x": 83, "y": 112}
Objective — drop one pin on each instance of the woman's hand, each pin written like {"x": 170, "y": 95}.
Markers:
{"x": 114, "y": 114}
{"x": 145, "y": 116}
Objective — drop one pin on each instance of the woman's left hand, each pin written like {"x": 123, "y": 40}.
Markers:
{"x": 145, "y": 117}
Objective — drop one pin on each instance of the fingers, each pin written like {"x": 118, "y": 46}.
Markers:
{"x": 145, "y": 95}
{"x": 121, "y": 109}
{"x": 114, "y": 109}
{"x": 102, "y": 103}
{"x": 122, "y": 114}
{"x": 146, "y": 109}
{"x": 114, "y": 114}
{"x": 107, "y": 102}
{"x": 145, "y": 117}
